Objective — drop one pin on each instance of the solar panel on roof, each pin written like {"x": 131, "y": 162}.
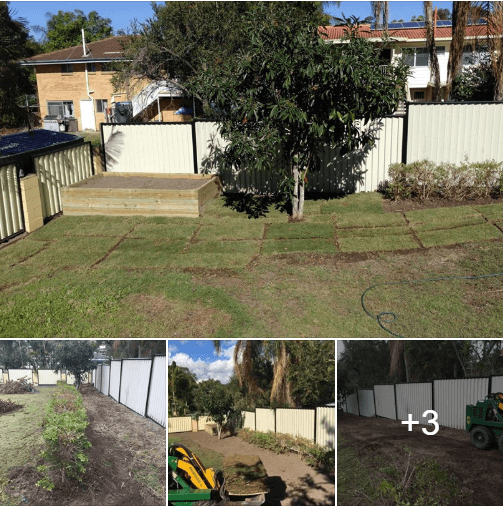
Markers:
{"x": 444, "y": 22}
{"x": 411, "y": 25}
{"x": 30, "y": 141}
{"x": 395, "y": 26}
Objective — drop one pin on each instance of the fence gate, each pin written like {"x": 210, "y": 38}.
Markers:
{"x": 11, "y": 214}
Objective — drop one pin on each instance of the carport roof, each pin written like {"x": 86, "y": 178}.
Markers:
{"x": 35, "y": 140}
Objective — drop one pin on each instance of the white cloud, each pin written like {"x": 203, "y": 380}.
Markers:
{"x": 206, "y": 368}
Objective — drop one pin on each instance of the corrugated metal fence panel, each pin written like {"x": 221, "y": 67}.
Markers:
{"x": 296, "y": 422}
{"x": 366, "y": 402}
{"x": 70, "y": 378}
{"x": 452, "y": 396}
{"x": 134, "y": 384}
{"x": 202, "y": 421}
{"x": 48, "y": 377}
{"x": 451, "y": 132}
{"x": 99, "y": 374}
{"x": 156, "y": 408}
{"x": 179, "y": 424}
{"x": 414, "y": 398}
{"x": 264, "y": 419}
{"x": 497, "y": 384}
{"x": 105, "y": 380}
{"x": 351, "y": 405}
{"x": 17, "y": 374}
{"x": 58, "y": 169}
{"x": 149, "y": 147}
{"x": 325, "y": 427}
{"x": 385, "y": 401}
{"x": 115, "y": 379}
{"x": 248, "y": 420}
{"x": 11, "y": 216}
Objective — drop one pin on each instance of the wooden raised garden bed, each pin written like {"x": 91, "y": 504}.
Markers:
{"x": 141, "y": 194}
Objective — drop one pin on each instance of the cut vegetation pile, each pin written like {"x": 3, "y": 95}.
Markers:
{"x": 244, "y": 474}
{"x": 8, "y": 406}
{"x": 15, "y": 387}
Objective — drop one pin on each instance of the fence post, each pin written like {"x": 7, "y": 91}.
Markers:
{"x": 396, "y": 407}
{"x": 358, "y": 402}
{"x": 315, "y": 413}
{"x": 149, "y": 383}
{"x": 120, "y": 382}
{"x": 490, "y": 385}
{"x": 194, "y": 146}
{"x": 405, "y": 133}
{"x": 109, "y": 376}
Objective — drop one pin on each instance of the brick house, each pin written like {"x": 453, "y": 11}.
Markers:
{"x": 402, "y": 36}
{"x": 75, "y": 82}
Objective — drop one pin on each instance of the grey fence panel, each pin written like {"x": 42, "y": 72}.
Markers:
{"x": 156, "y": 408}
{"x": 351, "y": 405}
{"x": 452, "y": 396}
{"x": 497, "y": 384}
{"x": 105, "y": 383}
{"x": 11, "y": 215}
{"x": 134, "y": 384}
{"x": 385, "y": 401}
{"x": 115, "y": 379}
{"x": 451, "y": 132}
{"x": 149, "y": 147}
{"x": 414, "y": 398}
{"x": 366, "y": 402}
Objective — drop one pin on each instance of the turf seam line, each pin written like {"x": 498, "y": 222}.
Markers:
{"x": 34, "y": 254}
{"x": 111, "y": 250}
{"x": 412, "y": 231}
{"x": 498, "y": 227}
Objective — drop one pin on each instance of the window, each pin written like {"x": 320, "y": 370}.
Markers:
{"x": 418, "y": 96}
{"x": 474, "y": 54}
{"x": 91, "y": 67}
{"x": 62, "y": 109}
{"x": 419, "y": 57}
{"x": 101, "y": 105}
{"x": 66, "y": 68}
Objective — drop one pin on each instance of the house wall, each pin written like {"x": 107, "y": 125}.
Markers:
{"x": 53, "y": 85}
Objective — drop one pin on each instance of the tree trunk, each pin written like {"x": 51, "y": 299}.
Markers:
{"x": 397, "y": 364}
{"x": 295, "y": 203}
{"x": 432, "y": 50}
{"x": 459, "y": 20}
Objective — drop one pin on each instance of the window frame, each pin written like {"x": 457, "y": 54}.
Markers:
{"x": 61, "y": 105}
{"x": 101, "y": 103}
{"x": 66, "y": 68}
{"x": 421, "y": 51}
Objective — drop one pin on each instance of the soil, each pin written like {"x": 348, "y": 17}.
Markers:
{"x": 8, "y": 406}
{"x": 125, "y": 448}
{"x": 404, "y": 206}
{"x": 478, "y": 472}
{"x": 290, "y": 481}
{"x": 144, "y": 183}
{"x": 244, "y": 474}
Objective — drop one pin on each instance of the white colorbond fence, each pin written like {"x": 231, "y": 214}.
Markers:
{"x": 61, "y": 168}
{"x": 48, "y": 377}
{"x": 448, "y": 398}
{"x": 296, "y": 422}
{"x": 11, "y": 213}
{"x": 438, "y": 132}
{"x": 17, "y": 374}
{"x": 265, "y": 420}
{"x": 43, "y": 377}
{"x": 138, "y": 383}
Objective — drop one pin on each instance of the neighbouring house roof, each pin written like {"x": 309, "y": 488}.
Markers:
{"x": 33, "y": 141}
{"x": 405, "y": 34}
{"x": 109, "y": 49}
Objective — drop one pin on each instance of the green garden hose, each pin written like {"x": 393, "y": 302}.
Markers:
{"x": 387, "y": 317}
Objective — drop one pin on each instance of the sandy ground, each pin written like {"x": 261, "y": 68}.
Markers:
{"x": 142, "y": 183}
{"x": 479, "y": 472}
{"x": 290, "y": 481}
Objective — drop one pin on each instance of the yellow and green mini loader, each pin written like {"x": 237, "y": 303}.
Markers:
{"x": 484, "y": 422}
{"x": 191, "y": 484}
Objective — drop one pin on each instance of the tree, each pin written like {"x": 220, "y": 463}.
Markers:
{"x": 138, "y": 348}
{"x": 380, "y": 11}
{"x": 280, "y": 102}
{"x": 443, "y": 14}
{"x": 213, "y": 399}
{"x": 14, "y": 354}
{"x": 64, "y": 29}
{"x": 459, "y": 21}
{"x": 181, "y": 386}
{"x": 432, "y": 51}
{"x": 474, "y": 82}
{"x": 14, "y": 79}
{"x": 76, "y": 358}
{"x": 493, "y": 11}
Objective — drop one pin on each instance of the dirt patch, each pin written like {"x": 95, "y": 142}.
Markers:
{"x": 391, "y": 206}
{"x": 244, "y": 474}
{"x": 478, "y": 472}
{"x": 9, "y": 406}
{"x": 144, "y": 183}
{"x": 127, "y": 462}
{"x": 290, "y": 481}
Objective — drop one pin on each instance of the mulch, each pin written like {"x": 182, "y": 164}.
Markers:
{"x": 403, "y": 206}
{"x": 8, "y": 406}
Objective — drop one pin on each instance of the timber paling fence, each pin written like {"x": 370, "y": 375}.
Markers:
{"x": 137, "y": 383}
{"x": 440, "y": 132}
{"x": 448, "y": 397}
{"x": 317, "y": 425}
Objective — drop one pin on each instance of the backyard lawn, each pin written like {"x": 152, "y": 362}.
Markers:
{"x": 224, "y": 275}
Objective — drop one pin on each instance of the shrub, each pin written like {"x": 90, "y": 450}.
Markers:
{"x": 65, "y": 442}
{"x": 423, "y": 180}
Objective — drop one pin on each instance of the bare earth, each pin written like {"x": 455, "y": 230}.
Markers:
{"x": 479, "y": 472}
{"x": 142, "y": 183}
{"x": 290, "y": 481}
{"x": 126, "y": 446}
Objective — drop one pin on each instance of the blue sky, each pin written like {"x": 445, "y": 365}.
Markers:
{"x": 200, "y": 358}
{"x": 123, "y": 12}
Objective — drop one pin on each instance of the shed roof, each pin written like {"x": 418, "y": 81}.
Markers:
{"x": 35, "y": 140}
{"x": 100, "y": 50}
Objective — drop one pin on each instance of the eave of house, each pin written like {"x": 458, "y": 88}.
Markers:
{"x": 75, "y": 61}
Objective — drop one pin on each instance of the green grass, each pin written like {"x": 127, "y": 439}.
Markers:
{"x": 21, "y": 438}
{"x": 224, "y": 275}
